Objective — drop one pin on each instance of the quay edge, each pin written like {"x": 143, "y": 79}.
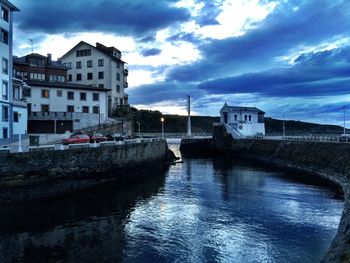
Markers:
{"x": 41, "y": 174}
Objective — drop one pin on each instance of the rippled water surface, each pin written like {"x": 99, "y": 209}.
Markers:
{"x": 202, "y": 210}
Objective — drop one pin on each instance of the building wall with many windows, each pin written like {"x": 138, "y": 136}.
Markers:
{"x": 100, "y": 66}
{"x": 7, "y": 109}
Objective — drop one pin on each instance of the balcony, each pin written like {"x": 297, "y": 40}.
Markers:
{"x": 126, "y": 72}
{"x": 51, "y": 115}
{"x": 126, "y": 85}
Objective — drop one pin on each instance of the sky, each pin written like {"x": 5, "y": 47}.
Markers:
{"x": 289, "y": 58}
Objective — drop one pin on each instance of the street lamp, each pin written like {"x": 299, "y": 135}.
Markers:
{"x": 99, "y": 116}
{"x": 139, "y": 124}
{"x": 19, "y": 133}
{"x": 162, "y": 121}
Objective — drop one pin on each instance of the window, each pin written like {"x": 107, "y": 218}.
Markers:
{"x": 89, "y": 64}
{"x": 101, "y": 75}
{"x": 95, "y": 109}
{"x": 70, "y": 108}
{"x": 78, "y": 77}
{"x": 5, "y": 113}
{"x": 5, "y": 90}
{"x": 44, "y": 93}
{"x": 15, "y": 116}
{"x": 70, "y": 95}
{"x": 70, "y": 77}
{"x": 85, "y": 109}
{"x": 250, "y": 117}
{"x": 5, "y": 66}
{"x": 16, "y": 92}
{"x": 27, "y": 92}
{"x": 4, "y": 133}
{"x": 59, "y": 93}
{"x": 118, "y": 65}
{"x": 101, "y": 86}
{"x": 95, "y": 96}
{"x": 37, "y": 76}
{"x": 235, "y": 117}
{"x": 83, "y": 52}
{"x": 100, "y": 62}
{"x": 69, "y": 64}
{"x": 118, "y": 76}
{"x": 118, "y": 88}
{"x": 89, "y": 76}
{"x": 4, "y": 36}
{"x": 44, "y": 107}
{"x": 4, "y": 14}
{"x": 78, "y": 64}
{"x": 245, "y": 117}
{"x": 82, "y": 96}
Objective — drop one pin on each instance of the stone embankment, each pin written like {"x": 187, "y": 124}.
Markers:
{"x": 329, "y": 160}
{"x": 46, "y": 173}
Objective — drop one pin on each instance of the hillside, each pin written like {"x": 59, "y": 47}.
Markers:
{"x": 150, "y": 122}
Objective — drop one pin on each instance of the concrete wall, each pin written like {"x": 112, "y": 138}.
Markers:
{"x": 41, "y": 174}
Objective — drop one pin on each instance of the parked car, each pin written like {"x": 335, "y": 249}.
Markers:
{"x": 119, "y": 136}
{"x": 98, "y": 138}
{"x": 76, "y": 138}
{"x": 344, "y": 138}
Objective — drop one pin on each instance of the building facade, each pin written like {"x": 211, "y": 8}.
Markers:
{"x": 99, "y": 66}
{"x": 55, "y": 105}
{"x": 10, "y": 124}
{"x": 243, "y": 121}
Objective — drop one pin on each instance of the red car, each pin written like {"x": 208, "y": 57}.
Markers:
{"x": 98, "y": 138}
{"x": 77, "y": 138}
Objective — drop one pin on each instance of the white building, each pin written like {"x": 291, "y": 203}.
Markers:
{"x": 55, "y": 107}
{"x": 100, "y": 66}
{"x": 242, "y": 122}
{"x": 13, "y": 114}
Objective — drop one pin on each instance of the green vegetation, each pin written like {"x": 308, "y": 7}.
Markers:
{"x": 150, "y": 123}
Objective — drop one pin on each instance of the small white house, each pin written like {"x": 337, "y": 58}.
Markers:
{"x": 242, "y": 121}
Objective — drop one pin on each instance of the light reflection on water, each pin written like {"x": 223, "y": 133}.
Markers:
{"x": 203, "y": 210}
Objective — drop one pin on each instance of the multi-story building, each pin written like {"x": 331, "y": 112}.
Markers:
{"x": 99, "y": 66}
{"x": 54, "y": 105}
{"x": 12, "y": 111}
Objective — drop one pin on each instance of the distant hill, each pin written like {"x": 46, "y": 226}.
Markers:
{"x": 150, "y": 122}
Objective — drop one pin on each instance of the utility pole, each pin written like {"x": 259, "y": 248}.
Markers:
{"x": 344, "y": 119}
{"x": 284, "y": 129}
{"x": 189, "y": 132}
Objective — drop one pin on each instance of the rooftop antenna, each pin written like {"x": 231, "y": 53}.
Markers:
{"x": 31, "y": 41}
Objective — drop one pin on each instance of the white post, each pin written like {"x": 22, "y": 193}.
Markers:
{"x": 344, "y": 120}
{"x": 162, "y": 120}
{"x": 189, "y": 133}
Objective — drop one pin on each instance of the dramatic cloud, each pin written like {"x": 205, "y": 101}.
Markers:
{"x": 317, "y": 74}
{"x": 123, "y": 17}
{"x": 151, "y": 52}
{"x": 291, "y": 26}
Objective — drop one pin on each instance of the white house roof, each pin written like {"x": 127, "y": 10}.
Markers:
{"x": 241, "y": 108}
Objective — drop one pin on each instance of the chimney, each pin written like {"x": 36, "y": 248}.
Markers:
{"x": 49, "y": 59}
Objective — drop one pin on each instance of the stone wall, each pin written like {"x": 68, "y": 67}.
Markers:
{"x": 329, "y": 160}
{"x": 38, "y": 174}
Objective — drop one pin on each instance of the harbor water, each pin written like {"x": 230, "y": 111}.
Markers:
{"x": 201, "y": 210}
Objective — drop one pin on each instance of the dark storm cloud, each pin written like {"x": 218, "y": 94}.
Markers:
{"x": 151, "y": 52}
{"x": 316, "y": 74}
{"x": 158, "y": 92}
{"x": 124, "y": 17}
{"x": 277, "y": 35}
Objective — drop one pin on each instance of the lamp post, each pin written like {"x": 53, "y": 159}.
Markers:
{"x": 99, "y": 116}
{"x": 139, "y": 124}
{"x": 19, "y": 133}
{"x": 284, "y": 129}
{"x": 162, "y": 121}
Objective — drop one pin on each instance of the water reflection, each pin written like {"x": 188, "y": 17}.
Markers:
{"x": 203, "y": 210}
